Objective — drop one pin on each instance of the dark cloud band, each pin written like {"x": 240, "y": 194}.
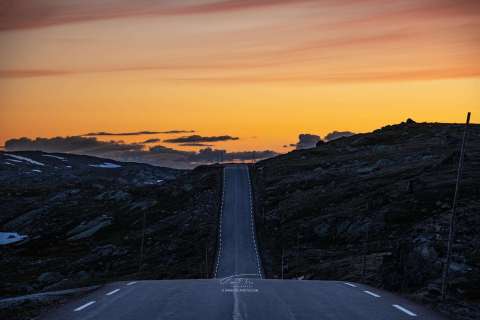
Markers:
{"x": 200, "y": 139}
{"x": 137, "y": 152}
{"x": 135, "y": 133}
{"x": 337, "y": 135}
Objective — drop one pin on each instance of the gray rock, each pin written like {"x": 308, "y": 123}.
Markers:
{"x": 60, "y": 285}
{"x": 113, "y": 195}
{"x": 26, "y": 218}
{"x": 382, "y": 148}
{"x": 49, "y": 277}
{"x": 364, "y": 170}
{"x": 322, "y": 230}
{"x": 382, "y": 163}
{"x": 86, "y": 230}
{"x": 427, "y": 251}
{"x": 459, "y": 267}
{"x": 59, "y": 197}
{"x": 44, "y": 298}
{"x": 82, "y": 275}
{"x": 187, "y": 187}
{"x": 427, "y": 157}
{"x": 142, "y": 205}
{"x": 357, "y": 230}
{"x": 106, "y": 250}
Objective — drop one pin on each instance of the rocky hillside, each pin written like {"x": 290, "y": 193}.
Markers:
{"x": 375, "y": 208}
{"x": 77, "y": 220}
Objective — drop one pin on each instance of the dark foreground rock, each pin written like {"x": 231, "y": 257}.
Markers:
{"x": 375, "y": 208}
{"x": 30, "y": 306}
{"x": 84, "y": 219}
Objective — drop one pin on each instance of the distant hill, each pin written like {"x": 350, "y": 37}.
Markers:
{"x": 387, "y": 194}
{"x": 37, "y": 166}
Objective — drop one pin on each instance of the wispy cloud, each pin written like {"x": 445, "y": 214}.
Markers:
{"x": 26, "y": 14}
{"x": 31, "y": 73}
{"x": 321, "y": 40}
{"x": 135, "y": 133}
{"x": 151, "y": 141}
{"x": 337, "y": 76}
{"x": 196, "y": 144}
{"x": 71, "y": 144}
{"x": 200, "y": 139}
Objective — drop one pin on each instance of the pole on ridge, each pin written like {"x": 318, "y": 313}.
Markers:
{"x": 451, "y": 230}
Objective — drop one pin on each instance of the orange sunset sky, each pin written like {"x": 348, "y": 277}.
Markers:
{"x": 261, "y": 70}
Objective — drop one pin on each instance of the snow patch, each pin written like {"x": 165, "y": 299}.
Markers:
{"x": 14, "y": 156}
{"x": 10, "y": 237}
{"x": 106, "y": 165}
{"x": 52, "y": 156}
{"x": 36, "y": 170}
{"x": 69, "y": 167}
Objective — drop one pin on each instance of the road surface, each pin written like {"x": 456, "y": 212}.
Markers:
{"x": 238, "y": 254}
{"x": 238, "y": 291}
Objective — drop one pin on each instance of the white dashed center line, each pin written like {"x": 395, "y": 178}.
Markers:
{"x": 372, "y": 294}
{"x": 84, "y": 306}
{"x": 112, "y": 292}
{"x": 220, "y": 244}
{"x": 405, "y": 310}
{"x": 252, "y": 224}
{"x": 131, "y": 283}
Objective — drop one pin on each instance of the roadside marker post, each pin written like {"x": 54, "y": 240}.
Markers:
{"x": 451, "y": 231}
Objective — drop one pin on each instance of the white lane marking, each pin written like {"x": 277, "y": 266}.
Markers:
{"x": 112, "y": 292}
{"x": 252, "y": 224}
{"x": 410, "y": 313}
{"x": 237, "y": 275}
{"x": 350, "y": 284}
{"x": 220, "y": 243}
{"x": 371, "y": 293}
{"x": 236, "y": 314}
{"x": 130, "y": 283}
{"x": 84, "y": 306}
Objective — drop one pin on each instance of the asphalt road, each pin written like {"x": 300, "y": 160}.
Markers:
{"x": 238, "y": 254}
{"x": 238, "y": 292}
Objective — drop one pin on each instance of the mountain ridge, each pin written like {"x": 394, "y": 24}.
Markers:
{"x": 375, "y": 208}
